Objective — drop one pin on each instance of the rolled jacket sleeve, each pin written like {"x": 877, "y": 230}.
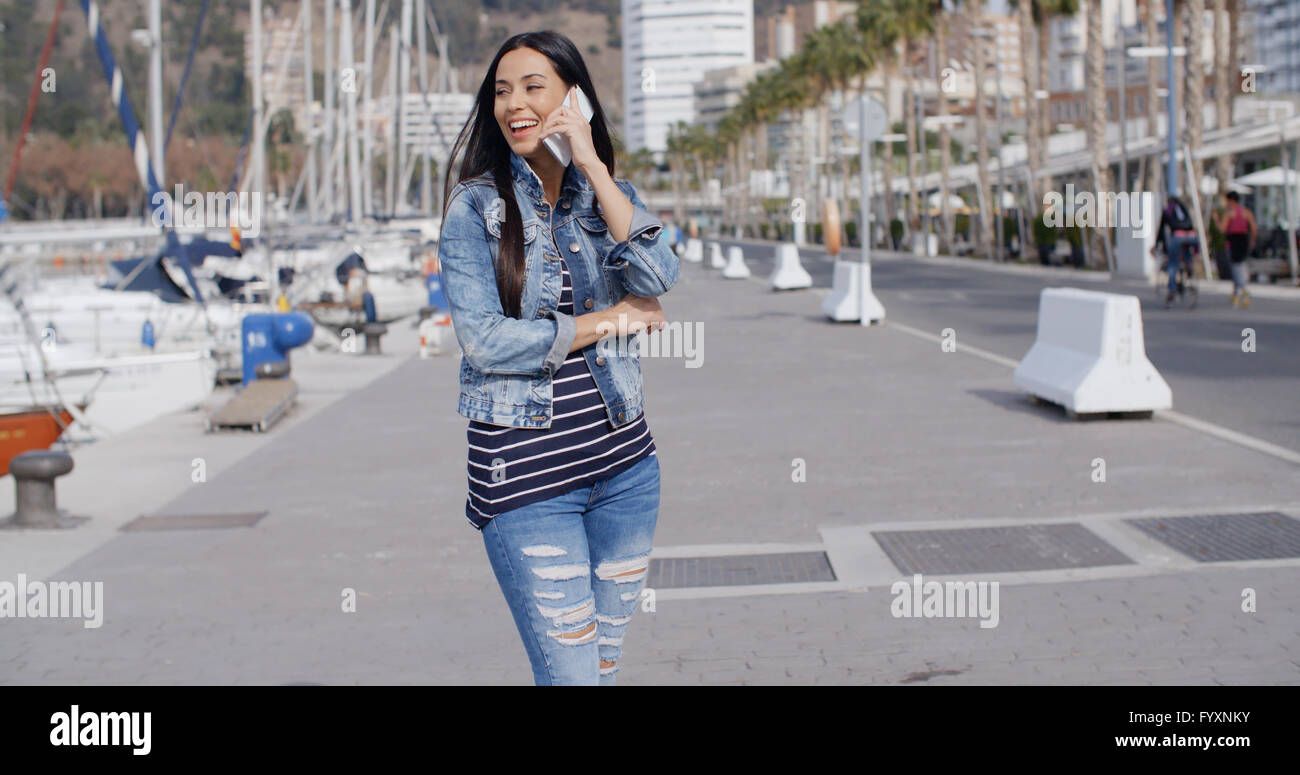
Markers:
{"x": 648, "y": 263}
{"x": 492, "y": 342}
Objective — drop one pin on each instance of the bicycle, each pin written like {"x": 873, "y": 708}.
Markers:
{"x": 1185, "y": 292}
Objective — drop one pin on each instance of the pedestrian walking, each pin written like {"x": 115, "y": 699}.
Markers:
{"x": 548, "y": 260}
{"x": 1237, "y": 223}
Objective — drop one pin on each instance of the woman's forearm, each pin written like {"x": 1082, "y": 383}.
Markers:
{"x": 590, "y": 328}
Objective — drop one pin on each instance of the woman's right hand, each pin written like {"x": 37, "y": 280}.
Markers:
{"x": 643, "y": 310}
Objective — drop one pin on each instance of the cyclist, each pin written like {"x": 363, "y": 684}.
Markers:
{"x": 1177, "y": 234}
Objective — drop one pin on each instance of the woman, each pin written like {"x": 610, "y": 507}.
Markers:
{"x": 541, "y": 264}
{"x": 1237, "y": 224}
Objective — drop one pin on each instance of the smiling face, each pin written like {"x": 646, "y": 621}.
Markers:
{"x": 527, "y": 89}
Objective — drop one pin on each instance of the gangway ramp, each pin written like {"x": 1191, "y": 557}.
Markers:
{"x": 257, "y": 407}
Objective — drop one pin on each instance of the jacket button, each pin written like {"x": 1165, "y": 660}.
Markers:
{"x": 600, "y": 360}
{"x": 573, "y": 247}
{"x": 588, "y": 304}
{"x": 564, "y": 203}
{"x": 620, "y": 416}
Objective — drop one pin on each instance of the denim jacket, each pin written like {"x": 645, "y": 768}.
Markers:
{"x": 508, "y": 363}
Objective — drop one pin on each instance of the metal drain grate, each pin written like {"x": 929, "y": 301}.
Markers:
{"x": 995, "y": 549}
{"x": 1266, "y": 535}
{"x": 739, "y": 570}
{"x": 194, "y": 521}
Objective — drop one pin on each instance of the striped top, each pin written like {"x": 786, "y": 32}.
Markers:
{"x": 580, "y": 448}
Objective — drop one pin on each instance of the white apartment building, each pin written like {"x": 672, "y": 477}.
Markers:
{"x": 668, "y": 46}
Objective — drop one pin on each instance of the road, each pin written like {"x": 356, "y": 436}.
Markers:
{"x": 1198, "y": 352}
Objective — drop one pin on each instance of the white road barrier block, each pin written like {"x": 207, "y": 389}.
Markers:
{"x": 715, "y": 256}
{"x": 735, "y": 268}
{"x": 849, "y": 296}
{"x": 1090, "y": 355}
{"x": 680, "y": 249}
{"x": 694, "y": 250}
{"x": 789, "y": 273}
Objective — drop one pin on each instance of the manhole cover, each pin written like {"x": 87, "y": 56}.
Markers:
{"x": 739, "y": 570}
{"x": 1267, "y": 535}
{"x": 996, "y": 549}
{"x": 194, "y": 521}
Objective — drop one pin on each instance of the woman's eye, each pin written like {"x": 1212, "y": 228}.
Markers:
{"x": 534, "y": 86}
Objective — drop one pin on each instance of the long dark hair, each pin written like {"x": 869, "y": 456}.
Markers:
{"x": 486, "y": 150}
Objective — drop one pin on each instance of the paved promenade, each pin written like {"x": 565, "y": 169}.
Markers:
{"x": 364, "y": 489}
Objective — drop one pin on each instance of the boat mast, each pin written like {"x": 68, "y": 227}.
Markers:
{"x": 346, "y": 62}
{"x": 367, "y": 150}
{"x": 156, "y": 90}
{"x": 309, "y": 128}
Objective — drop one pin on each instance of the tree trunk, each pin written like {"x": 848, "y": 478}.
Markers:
{"x": 1095, "y": 66}
{"x": 1195, "y": 89}
{"x": 986, "y": 204}
{"x": 1180, "y": 75}
{"x": 887, "y": 154}
{"x": 945, "y": 141}
{"x": 1044, "y": 106}
{"x": 1154, "y": 182}
{"x": 913, "y": 197}
{"x": 1222, "y": 95}
{"x": 1029, "y": 68}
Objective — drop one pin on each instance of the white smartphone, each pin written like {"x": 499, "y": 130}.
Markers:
{"x": 558, "y": 144}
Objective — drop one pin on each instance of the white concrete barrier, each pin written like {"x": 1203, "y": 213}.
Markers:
{"x": 680, "y": 249}
{"x": 694, "y": 250}
{"x": 715, "y": 256}
{"x": 1090, "y": 355}
{"x": 789, "y": 273}
{"x": 851, "y": 294}
{"x": 736, "y": 268}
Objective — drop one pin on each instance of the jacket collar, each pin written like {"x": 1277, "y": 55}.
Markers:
{"x": 524, "y": 176}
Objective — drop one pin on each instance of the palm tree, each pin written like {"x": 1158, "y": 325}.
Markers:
{"x": 1153, "y": 102}
{"x": 1046, "y": 11}
{"x": 945, "y": 139}
{"x": 677, "y": 169}
{"x": 915, "y": 23}
{"x": 1096, "y": 89}
{"x": 879, "y": 23}
{"x": 842, "y": 56}
{"x": 1029, "y": 70}
{"x": 986, "y": 204}
{"x": 1222, "y": 99}
{"x": 1195, "y": 88}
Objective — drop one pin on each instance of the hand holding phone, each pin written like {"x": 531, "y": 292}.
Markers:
{"x": 557, "y": 143}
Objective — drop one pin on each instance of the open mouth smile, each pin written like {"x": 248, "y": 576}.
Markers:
{"x": 522, "y": 126}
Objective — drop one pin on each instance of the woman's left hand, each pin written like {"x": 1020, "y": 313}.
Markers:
{"x": 568, "y": 121}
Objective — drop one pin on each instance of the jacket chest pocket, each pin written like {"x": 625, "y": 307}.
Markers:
{"x": 531, "y": 230}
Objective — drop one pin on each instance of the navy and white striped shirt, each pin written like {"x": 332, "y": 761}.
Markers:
{"x": 580, "y": 448}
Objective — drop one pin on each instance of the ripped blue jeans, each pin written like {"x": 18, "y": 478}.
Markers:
{"x": 572, "y": 569}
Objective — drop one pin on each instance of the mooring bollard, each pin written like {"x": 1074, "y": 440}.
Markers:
{"x": 34, "y": 473}
{"x": 373, "y": 332}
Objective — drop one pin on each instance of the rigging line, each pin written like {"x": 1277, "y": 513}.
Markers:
{"x": 185, "y": 75}
{"x": 31, "y": 101}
